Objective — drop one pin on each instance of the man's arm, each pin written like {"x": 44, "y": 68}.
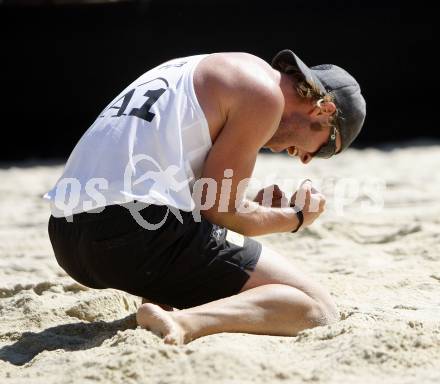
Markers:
{"x": 254, "y": 111}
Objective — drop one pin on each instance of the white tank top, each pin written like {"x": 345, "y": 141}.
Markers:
{"x": 149, "y": 144}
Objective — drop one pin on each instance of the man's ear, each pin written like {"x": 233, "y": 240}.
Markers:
{"x": 328, "y": 107}
{"x": 324, "y": 108}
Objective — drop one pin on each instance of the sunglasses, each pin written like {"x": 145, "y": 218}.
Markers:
{"x": 329, "y": 148}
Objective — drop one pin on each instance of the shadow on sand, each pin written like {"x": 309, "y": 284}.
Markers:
{"x": 69, "y": 337}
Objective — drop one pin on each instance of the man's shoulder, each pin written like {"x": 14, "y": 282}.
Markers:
{"x": 251, "y": 98}
{"x": 238, "y": 73}
{"x": 239, "y": 88}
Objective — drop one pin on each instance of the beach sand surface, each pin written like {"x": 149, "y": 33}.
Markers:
{"x": 376, "y": 249}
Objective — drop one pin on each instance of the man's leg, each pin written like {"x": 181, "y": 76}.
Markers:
{"x": 276, "y": 300}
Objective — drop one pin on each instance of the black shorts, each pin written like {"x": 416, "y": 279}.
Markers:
{"x": 182, "y": 265}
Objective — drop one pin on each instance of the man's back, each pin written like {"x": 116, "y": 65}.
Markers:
{"x": 155, "y": 125}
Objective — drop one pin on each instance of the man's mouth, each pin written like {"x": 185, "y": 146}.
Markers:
{"x": 292, "y": 151}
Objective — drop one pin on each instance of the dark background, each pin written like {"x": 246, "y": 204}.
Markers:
{"x": 61, "y": 65}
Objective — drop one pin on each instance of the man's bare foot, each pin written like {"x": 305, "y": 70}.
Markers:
{"x": 161, "y": 323}
{"x": 163, "y": 306}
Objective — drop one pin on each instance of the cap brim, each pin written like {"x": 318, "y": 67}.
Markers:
{"x": 286, "y": 58}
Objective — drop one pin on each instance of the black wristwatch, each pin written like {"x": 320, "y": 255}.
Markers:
{"x": 300, "y": 216}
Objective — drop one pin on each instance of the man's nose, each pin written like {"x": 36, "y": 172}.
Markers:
{"x": 305, "y": 158}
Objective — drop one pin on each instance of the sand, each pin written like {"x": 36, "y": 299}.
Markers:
{"x": 381, "y": 265}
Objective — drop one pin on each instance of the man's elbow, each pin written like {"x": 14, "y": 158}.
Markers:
{"x": 228, "y": 220}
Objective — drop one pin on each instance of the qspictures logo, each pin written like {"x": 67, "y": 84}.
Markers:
{"x": 162, "y": 186}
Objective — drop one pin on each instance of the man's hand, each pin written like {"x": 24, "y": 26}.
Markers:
{"x": 310, "y": 201}
{"x": 272, "y": 196}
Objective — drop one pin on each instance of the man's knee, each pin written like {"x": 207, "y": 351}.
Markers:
{"x": 321, "y": 314}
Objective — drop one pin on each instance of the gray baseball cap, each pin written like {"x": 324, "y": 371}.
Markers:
{"x": 335, "y": 80}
